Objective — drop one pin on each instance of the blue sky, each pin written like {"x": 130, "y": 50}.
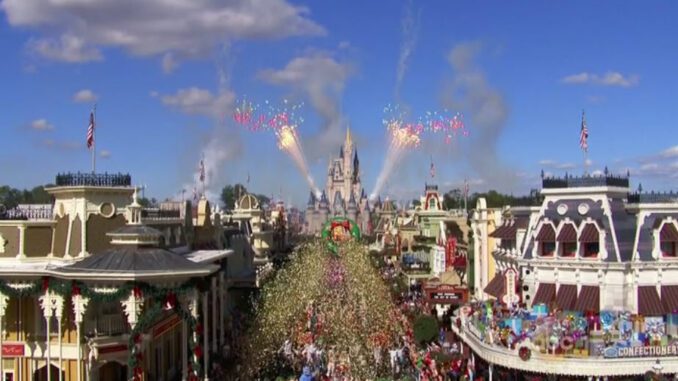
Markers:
{"x": 166, "y": 76}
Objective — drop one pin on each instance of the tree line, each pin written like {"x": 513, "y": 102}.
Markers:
{"x": 11, "y": 197}
{"x": 231, "y": 193}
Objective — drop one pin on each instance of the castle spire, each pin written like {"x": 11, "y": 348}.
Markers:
{"x": 348, "y": 136}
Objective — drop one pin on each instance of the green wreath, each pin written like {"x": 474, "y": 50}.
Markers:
{"x": 337, "y": 223}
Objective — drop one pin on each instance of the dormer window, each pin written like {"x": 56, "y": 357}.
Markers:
{"x": 668, "y": 240}
{"x": 547, "y": 241}
{"x": 567, "y": 238}
{"x": 590, "y": 240}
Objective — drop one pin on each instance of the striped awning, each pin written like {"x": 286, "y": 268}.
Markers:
{"x": 496, "y": 287}
{"x": 498, "y": 232}
{"x": 670, "y": 298}
{"x": 589, "y": 234}
{"x": 546, "y": 293}
{"x": 567, "y": 234}
{"x": 546, "y": 233}
{"x": 588, "y": 300}
{"x": 648, "y": 301}
{"x": 669, "y": 233}
{"x": 566, "y": 298}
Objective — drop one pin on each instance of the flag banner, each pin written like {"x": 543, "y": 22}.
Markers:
{"x": 584, "y": 135}
{"x": 202, "y": 171}
{"x": 90, "y": 131}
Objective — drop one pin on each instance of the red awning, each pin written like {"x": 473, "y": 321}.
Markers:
{"x": 546, "y": 293}
{"x": 546, "y": 233}
{"x": 497, "y": 286}
{"x": 498, "y": 231}
{"x": 589, "y": 299}
{"x": 567, "y": 234}
{"x": 669, "y": 233}
{"x": 648, "y": 301}
{"x": 589, "y": 234}
{"x": 567, "y": 296}
{"x": 670, "y": 298}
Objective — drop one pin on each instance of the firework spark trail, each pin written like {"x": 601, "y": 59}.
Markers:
{"x": 281, "y": 120}
{"x": 288, "y": 141}
{"x": 406, "y": 136}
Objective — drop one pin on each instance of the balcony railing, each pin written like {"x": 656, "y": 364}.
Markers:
{"x": 27, "y": 212}
{"x": 155, "y": 213}
{"x": 94, "y": 179}
{"x": 106, "y": 325}
{"x": 652, "y": 197}
{"x": 585, "y": 181}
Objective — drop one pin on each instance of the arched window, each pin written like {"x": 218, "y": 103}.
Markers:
{"x": 590, "y": 240}
{"x": 547, "y": 240}
{"x": 668, "y": 239}
{"x": 567, "y": 238}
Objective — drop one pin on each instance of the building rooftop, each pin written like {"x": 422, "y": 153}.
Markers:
{"x": 93, "y": 179}
{"x": 569, "y": 181}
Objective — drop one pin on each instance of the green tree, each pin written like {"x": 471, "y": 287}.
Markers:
{"x": 231, "y": 193}
{"x": 425, "y": 328}
{"x": 453, "y": 199}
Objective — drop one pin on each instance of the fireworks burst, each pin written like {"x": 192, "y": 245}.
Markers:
{"x": 283, "y": 120}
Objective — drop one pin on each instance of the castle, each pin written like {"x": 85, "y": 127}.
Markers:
{"x": 343, "y": 195}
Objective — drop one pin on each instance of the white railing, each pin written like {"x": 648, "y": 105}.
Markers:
{"x": 107, "y": 325}
{"x": 551, "y": 364}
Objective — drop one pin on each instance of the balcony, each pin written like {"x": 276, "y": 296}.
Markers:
{"x": 93, "y": 179}
{"x": 27, "y": 212}
{"x": 106, "y": 325}
{"x": 652, "y": 197}
{"x": 570, "y": 181}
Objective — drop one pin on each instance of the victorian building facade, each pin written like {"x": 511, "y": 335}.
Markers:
{"x": 94, "y": 287}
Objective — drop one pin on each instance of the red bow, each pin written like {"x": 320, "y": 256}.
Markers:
{"x": 345, "y": 224}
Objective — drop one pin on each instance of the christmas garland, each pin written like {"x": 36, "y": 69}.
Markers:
{"x": 66, "y": 288}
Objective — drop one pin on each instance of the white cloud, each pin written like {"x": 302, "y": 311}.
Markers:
{"x": 85, "y": 96}
{"x": 68, "y": 48}
{"x": 105, "y": 154}
{"x": 321, "y": 79}
{"x": 40, "y": 125}
{"x": 597, "y": 172}
{"x": 74, "y": 29}
{"x": 548, "y": 163}
{"x": 670, "y": 152}
{"x": 611, "y": 78}
{"x": 197, "y": 101}
{"x": 62, "y": 145}
{"x": 169, "y": 63}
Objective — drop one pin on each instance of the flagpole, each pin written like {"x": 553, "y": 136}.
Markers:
{"x": 94, "y": 140}
{"x": 586, "y": 148}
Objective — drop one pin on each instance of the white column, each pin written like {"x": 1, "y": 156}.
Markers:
{"x": 79, "y": 308}
{"x": 215, "y": 307}
{"x": 4, "y": 300}
{"x": 22, "y": 246}
{"x": 206, "y": 347}
{"x": 59, "y": 315}
{"x": 184, "y": 351}
{"x": 193, "y": 299}
{"x": 50, "y": 302}
{"x": 491, "y": 372}
{"x": 222, "y": 309}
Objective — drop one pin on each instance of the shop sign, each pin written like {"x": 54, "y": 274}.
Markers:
{"x": 511, "y": 297}
{"x": 12, "y": 350}
{"x": 649, "y": 351}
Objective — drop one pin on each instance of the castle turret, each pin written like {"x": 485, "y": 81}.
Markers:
{"x": 352, "y": 208}
{"x": 311, "y": 202}
{"x": 338, "y": 204}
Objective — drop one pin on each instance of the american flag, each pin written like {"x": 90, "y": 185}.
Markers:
{"x": 202, "y": 170}
{"x": 90, "y": 131}
{"x": 584, "y": 135}
{"x": 433, "y": 169}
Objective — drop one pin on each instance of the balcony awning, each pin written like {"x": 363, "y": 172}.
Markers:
{"x": 566, "y": 298}
{"x": 499, "y": 232}
{"x": 546, "y": 233}
{"x": 546, "y": 293}
{"x": 670, "y": 298}
{"x": 589, "y": 299}
{"x": 669, "y": 233}
{"x": 649, "y": 303}
{"x": 567, "y": 234}
{"x": 589, "y": 234}
{"x": 497, "y": 286}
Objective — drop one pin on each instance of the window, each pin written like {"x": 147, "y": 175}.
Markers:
{"x": 568, "y": 249}
{"x": 548, "y": 248}
{"x": 432, "y": 203}
{"x": 668, "y": 249}
{"x": 591, "y": 249}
